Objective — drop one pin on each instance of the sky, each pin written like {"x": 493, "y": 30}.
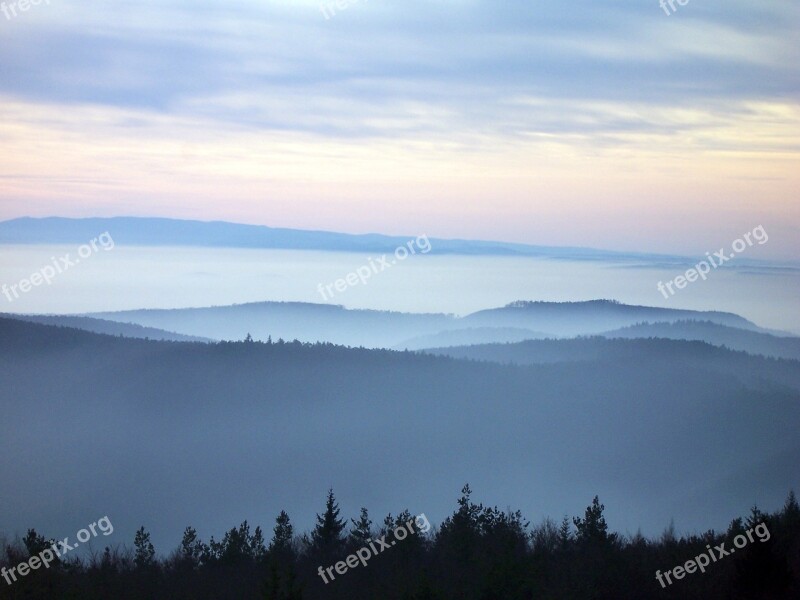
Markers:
{"x": 608, "y": 124}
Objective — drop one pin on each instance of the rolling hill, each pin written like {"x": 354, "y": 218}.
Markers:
{"x": 381, "y": 329}
{"x": 754, "y": 342}
{"x": 175, "y": 433}
{"x": 108, "y": 327}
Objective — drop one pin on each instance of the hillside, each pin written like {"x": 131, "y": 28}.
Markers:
{"x": 173, "y": 433}
{"x": 469, "y": 336}
{"x": 591, "y": 317}
{"x": 753, "y": 342}
{"x": 383, "y": 329}
{"x": 107, "y": 327}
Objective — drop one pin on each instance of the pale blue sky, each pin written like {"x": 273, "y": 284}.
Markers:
{"x": 604, "y": 123}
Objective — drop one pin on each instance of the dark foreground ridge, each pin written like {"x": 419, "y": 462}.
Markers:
{"x": 478, "y": 553}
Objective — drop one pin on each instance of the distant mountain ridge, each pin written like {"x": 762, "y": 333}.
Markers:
{"x": 308, "y": 322}
{"x": 102, "y": 326}
{"x": 754, "y": 342}
{"x": 515, "y": 322}
{"x": 151, "y": 231}
{"x": 589, "y": 317}
{"x": 470, "y": 336}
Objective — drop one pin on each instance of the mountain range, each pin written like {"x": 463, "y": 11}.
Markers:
{"x": 141, "y": 231}
{"x": 308, "y": 322}
{"x": 165, "y": 432}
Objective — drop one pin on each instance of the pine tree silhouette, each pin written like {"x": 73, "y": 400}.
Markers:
{"x": 326, "y": 539}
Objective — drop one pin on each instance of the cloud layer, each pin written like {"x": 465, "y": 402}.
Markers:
{"x": 595, "y": 122}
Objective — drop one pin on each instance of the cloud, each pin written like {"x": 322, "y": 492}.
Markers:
{"x": 384, "y": 68}
{"x": 448, "y": 111}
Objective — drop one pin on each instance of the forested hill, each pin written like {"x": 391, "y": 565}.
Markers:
{"x": 754, "y": 342}
{"x": 677, "y": 355}
{"x": 373, "y": 328}
{"x": 241, "y": 430}
{"x": 107, "y": 327}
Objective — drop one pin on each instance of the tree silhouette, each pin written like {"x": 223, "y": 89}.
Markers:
{"x": 504, "y": 563}
{"x": 326, "y": 538}
{"x": 281, "y": 582}
{"x": 238, "y": 546}
{"x": 281, "y": 545}
{"x": 760, "y": 573}
{"x": 361, "y": 533}
{"x": 593, "y": 529}
{"x": 191, "y": 549}
{"x": 144, "y": 552}
{"x": 35, "y": 543}
{"x": 565, "y": 534}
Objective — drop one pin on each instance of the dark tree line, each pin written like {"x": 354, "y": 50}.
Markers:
{"x": 477, "y": 553}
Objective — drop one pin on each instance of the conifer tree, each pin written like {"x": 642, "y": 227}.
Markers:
{"x": 326, "y": 538}
{"x": 144, "y": 552}
{"x": 361, "y": 533}
{"x": 593, "y": 528}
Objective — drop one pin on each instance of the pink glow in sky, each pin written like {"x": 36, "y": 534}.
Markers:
{"x": 591, "y": 124}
